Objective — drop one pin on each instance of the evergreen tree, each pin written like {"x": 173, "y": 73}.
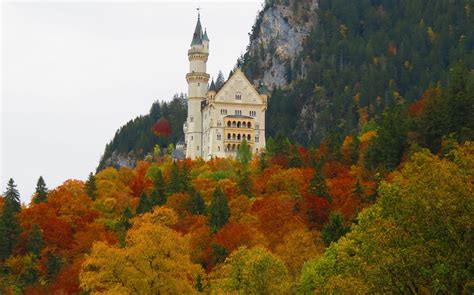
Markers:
{"x": 219, "y": 211}
{"x": 262, "y": 162}
{"x": 41, "y": 191}
{"x": 244, "y": 154}
{"x": 317, "y": 185}
{"x": 91, "y": 187}
{"x": 218, "y": 254}
{"x": 199, "y": 284}
{"x": 158, "y": 196}
{"x": 220, "y": 81}
{"x": 175, "y": 184}
{"x": 185, "y": 179}
{"x": 358, "y": 190}
{"x": 144, "y": 204}
{"x": 335, "y": 229}
{"x": 10, "y": 226}
{"x": 196, "y": 204}
{"x": 52, "y": 264}
{"x": 35, "y": 241}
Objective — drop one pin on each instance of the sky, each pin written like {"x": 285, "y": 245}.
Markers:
{"x": 72, "y": 73}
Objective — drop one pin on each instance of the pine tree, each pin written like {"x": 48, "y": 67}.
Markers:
{"x": 52, "y": 264}
{"x": 358, "y": 190}
{"x": 317, "y": 186}
{"x": 219, "y": 211}
{"x": 262, "y": 162}
{"x": 41, "y": 191}
{"x": 91, "y": 187}
{"x": 196, "y": 204}
{"x": 220, "y": 81}
{"x": 158, "y": 196}
{"x": 335, "y": 229}
{"x": 244, "y": 154}
{"x": 144, "y": 204}
{"x": 35, "y": 241}
{"x": 175, "y": 185}
{"x": 10, "y": 226}
{"x": 185, "y": 179}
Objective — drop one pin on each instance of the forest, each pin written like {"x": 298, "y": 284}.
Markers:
{"x": 389, "y": 209}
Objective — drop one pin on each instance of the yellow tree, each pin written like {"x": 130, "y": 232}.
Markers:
{"x": 251, "y": 271}
{"x": 417, "y": 238}
{"x": 155, "y": 260}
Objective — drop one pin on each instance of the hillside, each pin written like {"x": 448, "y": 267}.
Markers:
{"x": 334, "y": 65}
{"x": 136, "y": 139}
{"x": 291, "y": 221}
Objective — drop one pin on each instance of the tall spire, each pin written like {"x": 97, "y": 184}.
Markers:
{"x": 205, "y": 37}
{"x": 197, "y": 36}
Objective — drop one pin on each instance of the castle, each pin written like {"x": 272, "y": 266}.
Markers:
{"x": 220, "y": 119}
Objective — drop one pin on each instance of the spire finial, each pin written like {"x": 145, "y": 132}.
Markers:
{"x": 199, "y": 11}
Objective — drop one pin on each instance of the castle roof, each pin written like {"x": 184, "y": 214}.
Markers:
{"x": 205, "y": 37}
{"x": 197, "y": 36}
{"x": 213, "y": 86}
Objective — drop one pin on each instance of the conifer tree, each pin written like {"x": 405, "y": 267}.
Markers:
{"x": 158, "y": 196}
{"x": 175, "y": 184}
{"x": 10, "y": 226}
{"x": 335, "y": 229}
{"x": 358, "y": 190}
{"x": 220, "y": 81}
{"x": 35, "y": 241}
{"x": 41, "y": 191}
{"x": 144, "y": 204}
{"x": 244, "y": 155}
{"x": 185, "y": 179}
{"x": 197, "y": 206}
{"x": 91, "y": 187}
{"x": 219, "y": 211}
{"x": 318, "y": 186}
{"x": 262, "y": 162}
{"x": 52, "y": 264}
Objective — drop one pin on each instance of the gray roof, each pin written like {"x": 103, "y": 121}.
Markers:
{"x": 213, "y": 86}
{"x": 205, "y": 37}
{"x": 178, "y": 154}
{"x": 197, "y": 36}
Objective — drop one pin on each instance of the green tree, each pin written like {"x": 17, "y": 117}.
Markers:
{"x": 244, "y": 154}
{"x": 158, "y": 196}
{"x": 416, "y": 238}
{"x": 317, "y": 185}
{"x": 10, "y": 224}
{"x": 196, "y": 204}
{"x": 41, "y": 191}
{"x": 35, "y": 241}
{"x": 334, "y": 229}
{"x": 53, "y": 265}
{"x": 175, "y": 184}
{"x": 252, "y": 271}
{"x": 91, "y": 187}
{"x": 219, "y": 211}
{"x": 144, "y": 204}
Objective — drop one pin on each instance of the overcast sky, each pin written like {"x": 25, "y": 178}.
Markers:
{"x": 72, "y": 73}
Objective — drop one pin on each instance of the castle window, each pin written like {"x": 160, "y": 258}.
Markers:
{"x": 191, "y": 137}
{"x": 253, "y": 113}
{"x": 234, "y": 124}
{"x": 197, "y": 148}
{"x": 219, "y": 137}
{"x": 228, "y": 123}
{"x": 233, "y": 136}
{"x": 228, "y": 135}
{"x": 219, "y": 124}
{"x": 228, "y": 147}
{"x": 244, "y": 125}
{"x": 256, "y": 138}
{"x": 249, "y": 125}
{"x": 223, "y": 112}
{"x": 256, "y": 150}
{"x": 238, "y": 124}
{"x": 238, "y": 96}
{"x": 218, "y": 148}
{"x": 248, "y": 137}
{"x": 233, "y": 147}
{"x": 238, "y": 112}
{"x": 191, "y": 119}
{"x": 238, "y": 136}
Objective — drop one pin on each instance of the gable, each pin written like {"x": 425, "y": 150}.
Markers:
{"x": 238, "y": 84}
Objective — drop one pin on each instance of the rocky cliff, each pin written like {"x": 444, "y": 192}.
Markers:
{"x": 276, "y": 40}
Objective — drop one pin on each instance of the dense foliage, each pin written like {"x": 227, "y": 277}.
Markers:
{"x": 367, "y": 216}
{"x": 161, "y": 127}
{"x": 360, "y": 58}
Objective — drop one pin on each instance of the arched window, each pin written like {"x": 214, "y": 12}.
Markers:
{"x": 238, "y": 146}
{"x": 249, "y": 125}
{"x": 233, "y": 147}
{"x": 248, "y": 137}
{"x": 228, "y": 147}
{"x": 244, "y": 125}
{"x": 228, "y": 135}
{"x": 238, "y": 124}
{"x": 234, "y": 124}
{"x": 228, "y": 123}
{"x": 233, "y": 136}
{"x": 238, "y": 136}
{"x": 218, "y": 148}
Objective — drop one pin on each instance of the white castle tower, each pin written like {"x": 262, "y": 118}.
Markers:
{"x": 197, "y": 79}
{"x": 221, "y": 117}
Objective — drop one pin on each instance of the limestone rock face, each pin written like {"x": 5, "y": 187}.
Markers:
{"x": 277, "y": 39}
